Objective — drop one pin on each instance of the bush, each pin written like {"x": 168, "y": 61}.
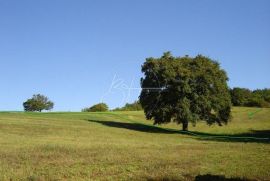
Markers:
{"x": 101, "y": 107}
{"x": 135, "y": 106}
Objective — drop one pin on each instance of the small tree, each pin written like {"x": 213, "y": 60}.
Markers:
{"x": 184, "y": 89}
{"x": 38, "y": 103}
{"x": 100, "y": 107}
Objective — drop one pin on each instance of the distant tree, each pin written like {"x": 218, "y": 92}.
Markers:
{"x": 240, "y": 96}
{"x": 185, "y": 89}
{"x": 38, "y": 103}
{"x": 100, "y": 107}
{"x": 135, "y": 106}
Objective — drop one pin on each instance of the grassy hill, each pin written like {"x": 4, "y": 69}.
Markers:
{"x": 125, "y": 146}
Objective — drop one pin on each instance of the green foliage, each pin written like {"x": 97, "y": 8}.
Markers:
{"x": 240, "y": 96}
{"x": 260, "y": 98}
{"x": 185, "y": 89}
{"x": 100, "y": 107}
{"x": 135, "y": 106}
{"x": 246, "y": 97}
{"x": 38, "y": 103}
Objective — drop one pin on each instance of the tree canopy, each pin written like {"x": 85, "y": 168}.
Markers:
{"x": 38, "y": 103}
{"x": 185, "y": 89}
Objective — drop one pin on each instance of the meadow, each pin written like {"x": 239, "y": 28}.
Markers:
{"x": 125, "y": 146}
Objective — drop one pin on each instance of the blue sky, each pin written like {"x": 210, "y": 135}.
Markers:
{"x": 71, "y": 51}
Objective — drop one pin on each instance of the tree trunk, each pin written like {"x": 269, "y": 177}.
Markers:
{"x": 185, "y": 126}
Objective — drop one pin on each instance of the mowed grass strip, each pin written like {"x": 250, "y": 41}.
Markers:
{"x": 125, "y": 146}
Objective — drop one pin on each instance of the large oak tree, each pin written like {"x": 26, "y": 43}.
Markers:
{"x": 185, "y": 89}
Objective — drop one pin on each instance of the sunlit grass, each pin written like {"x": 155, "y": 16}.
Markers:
{"x": 125, "y": 146}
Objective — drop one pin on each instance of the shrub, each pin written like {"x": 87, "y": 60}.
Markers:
{"x": 100, "y": 107}
{"x": 135, "y": 106}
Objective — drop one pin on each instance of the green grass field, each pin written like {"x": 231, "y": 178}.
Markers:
{"x": 125, "y": 146}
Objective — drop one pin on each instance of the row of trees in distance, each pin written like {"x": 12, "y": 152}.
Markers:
{"x": 249, "y": 98}
{"x": 40, "y": 102}
{"x": 135, "y": 106}
{"x": 239, "y": 97}
{"x": 102, "y": 107}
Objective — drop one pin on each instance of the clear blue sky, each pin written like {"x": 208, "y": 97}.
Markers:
{"x": 71, "y": 50}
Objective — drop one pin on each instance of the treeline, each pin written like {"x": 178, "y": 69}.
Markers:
{"x": 135, "y": 106}
{"x": 102, "y": 107}
{"x": 249, "y": 98}
{"x": 239, "y": 97}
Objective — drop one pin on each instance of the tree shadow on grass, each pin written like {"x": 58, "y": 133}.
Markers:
{"x": 135, "y": 127}
{"x": 258, "y": 136}
{"x": 209, "y": 177}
